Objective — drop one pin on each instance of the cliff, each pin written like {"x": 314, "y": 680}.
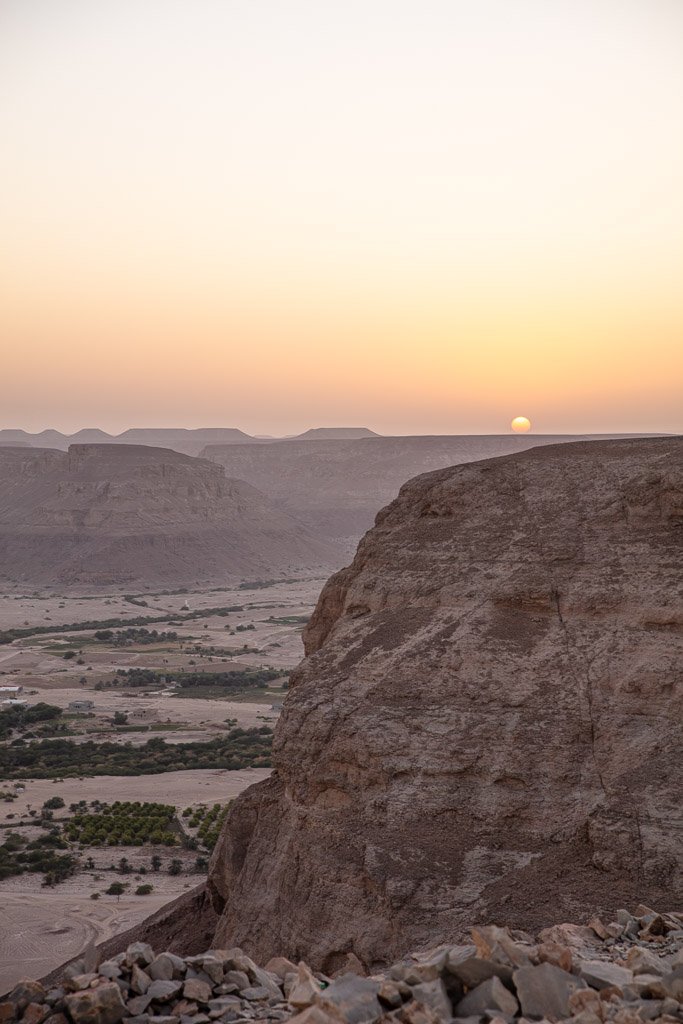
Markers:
{"x": 487, "y": 720}
{"x": 122, "y": 514}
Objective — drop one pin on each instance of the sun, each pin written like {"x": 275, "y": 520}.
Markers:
{"x": 521, "y": 424}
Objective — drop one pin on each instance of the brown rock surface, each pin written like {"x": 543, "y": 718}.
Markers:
{"x": 487, "y": 721}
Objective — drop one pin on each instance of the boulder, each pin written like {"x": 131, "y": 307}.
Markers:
{"x": 490, "y": 995}
{"x": 544, "y": 991}
{"x": 101, "y": 1005}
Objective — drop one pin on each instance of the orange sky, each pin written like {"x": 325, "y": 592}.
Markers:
{"x": 419, "y": 216}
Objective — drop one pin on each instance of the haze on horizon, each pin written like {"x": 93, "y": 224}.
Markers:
{"x": 423, "y": 217}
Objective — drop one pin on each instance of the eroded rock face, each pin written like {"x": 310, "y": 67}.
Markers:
{"x": 488, "y": 719}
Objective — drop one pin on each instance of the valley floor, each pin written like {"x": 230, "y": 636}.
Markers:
{"x": 44, "y": 926}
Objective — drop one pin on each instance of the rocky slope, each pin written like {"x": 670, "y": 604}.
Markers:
{"x": 488, "y": 719}
{"x": 119, "y": 514}
{"x": 627, "y": 971}
{"x": 337, "y": 486}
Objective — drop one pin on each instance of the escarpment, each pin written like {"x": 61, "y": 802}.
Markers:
{"x": 109, "y": 514}
{"x": 487, "y": 724}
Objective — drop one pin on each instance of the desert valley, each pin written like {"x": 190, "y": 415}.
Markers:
{"x": 341, "y": 512}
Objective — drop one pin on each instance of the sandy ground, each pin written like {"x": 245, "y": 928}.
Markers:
{"x": 215, "y": 785}
{"x": 41, "y": 928}
{"x": 36, "y": 661}
{"x": 204, "y": 718}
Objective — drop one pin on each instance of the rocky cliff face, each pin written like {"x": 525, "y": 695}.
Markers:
{"x": 488, "y": 719}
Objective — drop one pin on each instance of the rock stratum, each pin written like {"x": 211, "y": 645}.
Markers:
{"x": 487, "y": 723}
{"x": 119, "y": 514}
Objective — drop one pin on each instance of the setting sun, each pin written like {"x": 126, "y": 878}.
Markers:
{"x": 521, "y": 424}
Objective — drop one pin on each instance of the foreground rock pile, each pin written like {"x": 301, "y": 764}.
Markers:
{"x": 627, "y": 972}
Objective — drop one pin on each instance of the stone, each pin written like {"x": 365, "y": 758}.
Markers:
{"x": 642, "y": 961}
{"x": 417, "y": 1013}
{"x": 139, "y": 953}
{"x": 255, "y": 992}
{"x": 555, "y": 953}
{"x": 452, "y": 588}
{"x": 601, "y": 974}
{"x": 305, "y": 988}
{"x": 544, "y": 991}
{"x": 35, "y": 1013}
{"x": 489, "y": 995}
{"x": 25, "y": 992}
{"x": 493, "y": 943}
{"x": 138, "y": 1004}
{"x": 266, "y": 980}
{"x": 389, "y": 992}
{"x": 8, "y": 1012}
{"x": 648, "y": 1009}
{"x": 223, "y": 1003}
{"x": 198, "y": 990}
{"x": 434, "y": 995}
{"x": 78, "y": 982}
{"x": 238, "y": 978}
{"x": 102, "y": 1005}
{"x": 165, "y": 990}
{"x": 185, "y": 1008}
{"x": 354, "y": 997}
{"x": 161, "y": 968}
{"x": 109, "y": 969}
{"x": 599, "y": 928}
{"x": 673, "y": 984}
{"x": 473, "y": 971}
{"x": 280, "y": 966}
{"x": 645, "y": 986}
{"x": 139, "y": 980}
{"x": 352, "y": 965}
{"x": 57, "y": 1018}
{"x": 585, "y": 1000}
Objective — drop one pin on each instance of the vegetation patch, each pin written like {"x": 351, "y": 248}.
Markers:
{"x": 123, "y": 823}
{"x": 239, "y": 748}
{"x": 48, "y": 854}
{"x": 18, "y": 717}
{"x": 7, "y": 636}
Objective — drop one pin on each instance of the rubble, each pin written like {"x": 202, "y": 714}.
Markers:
{"x": 629, "y": 971}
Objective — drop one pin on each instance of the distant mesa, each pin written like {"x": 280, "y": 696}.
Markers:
{"x": 334, "y": 433}
{"x": 106, "y": 514}
{"x": 188, "y": 442}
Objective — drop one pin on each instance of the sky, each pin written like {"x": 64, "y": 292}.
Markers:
{"x": 423, "y": 216}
